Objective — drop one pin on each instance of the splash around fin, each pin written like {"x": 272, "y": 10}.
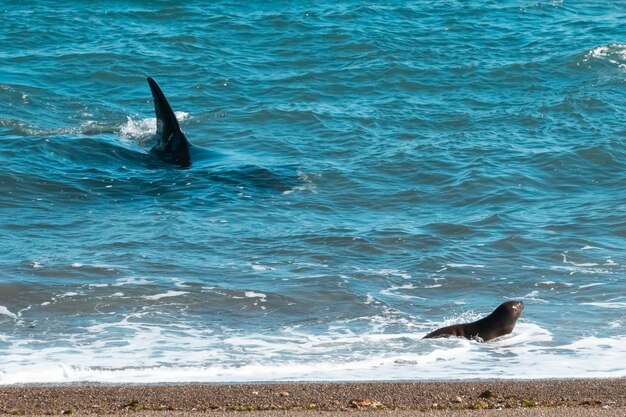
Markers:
{"x": 172, "y": 146}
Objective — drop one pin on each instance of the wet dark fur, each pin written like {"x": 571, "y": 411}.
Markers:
{"x": 497, "y": 324}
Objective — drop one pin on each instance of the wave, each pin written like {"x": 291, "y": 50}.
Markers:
{"x": 371, "y": 357}
{"x": 613, "y": 54}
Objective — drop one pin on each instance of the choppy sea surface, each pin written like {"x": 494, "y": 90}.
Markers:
{"x": 376, "y": 171}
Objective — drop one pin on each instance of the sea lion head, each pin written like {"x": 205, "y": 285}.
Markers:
{"x": 508, "y": 312}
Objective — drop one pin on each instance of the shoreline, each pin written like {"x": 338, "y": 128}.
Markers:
{"x": 304, "y": 397}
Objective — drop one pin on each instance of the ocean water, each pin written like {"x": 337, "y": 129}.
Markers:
{"x": 376, "y": 171}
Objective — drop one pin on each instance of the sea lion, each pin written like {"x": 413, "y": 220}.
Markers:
{"x": 498, "y": 323}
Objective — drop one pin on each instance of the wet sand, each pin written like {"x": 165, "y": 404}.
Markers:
{"x": 584, "y": 397}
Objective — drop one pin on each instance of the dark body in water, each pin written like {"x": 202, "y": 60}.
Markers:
{"x": 498, "y": 323}
{"x": 172, "y": 146}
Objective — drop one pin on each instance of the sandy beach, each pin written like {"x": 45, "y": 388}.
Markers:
{"x": 602, "y": 397}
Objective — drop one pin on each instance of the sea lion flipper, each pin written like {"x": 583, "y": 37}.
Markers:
{"x": 443, "y": 332}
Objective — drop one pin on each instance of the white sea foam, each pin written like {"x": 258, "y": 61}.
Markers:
{"x": 386, "y": 272}
{"x": 396, "y": 291}
{"x": 258, "y": 267}
{"x": 306, "y": 183}
{"x": 593, "y": 284}
{"x": 142, "y": 129}
{"x": 614, "y": 53}
{"x": 455, "y": 265}
{"x": 534, "y": 296}
{"x": 615, "y": 304}
{"x": 594, "y": 269}
{"x": 252, "y": 294}
{"x": 180, "y": 283}
{"x": 152, "y": 356}
{"x": 5, "y": 311}
{"x": 130, "y": 281}
{"x": 395, "y": 272}
{"x": 165, "y": 295}
{"x": 68, "y": 294}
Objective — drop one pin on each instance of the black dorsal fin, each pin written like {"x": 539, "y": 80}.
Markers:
{"x": 172, "y": 145}
{"x": 166, "y": 119}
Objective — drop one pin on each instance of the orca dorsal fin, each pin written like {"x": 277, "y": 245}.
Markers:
{"x": 172, "y": 145}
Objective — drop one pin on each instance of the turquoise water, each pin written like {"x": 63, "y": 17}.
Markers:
{"x": 374, "y": 172}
